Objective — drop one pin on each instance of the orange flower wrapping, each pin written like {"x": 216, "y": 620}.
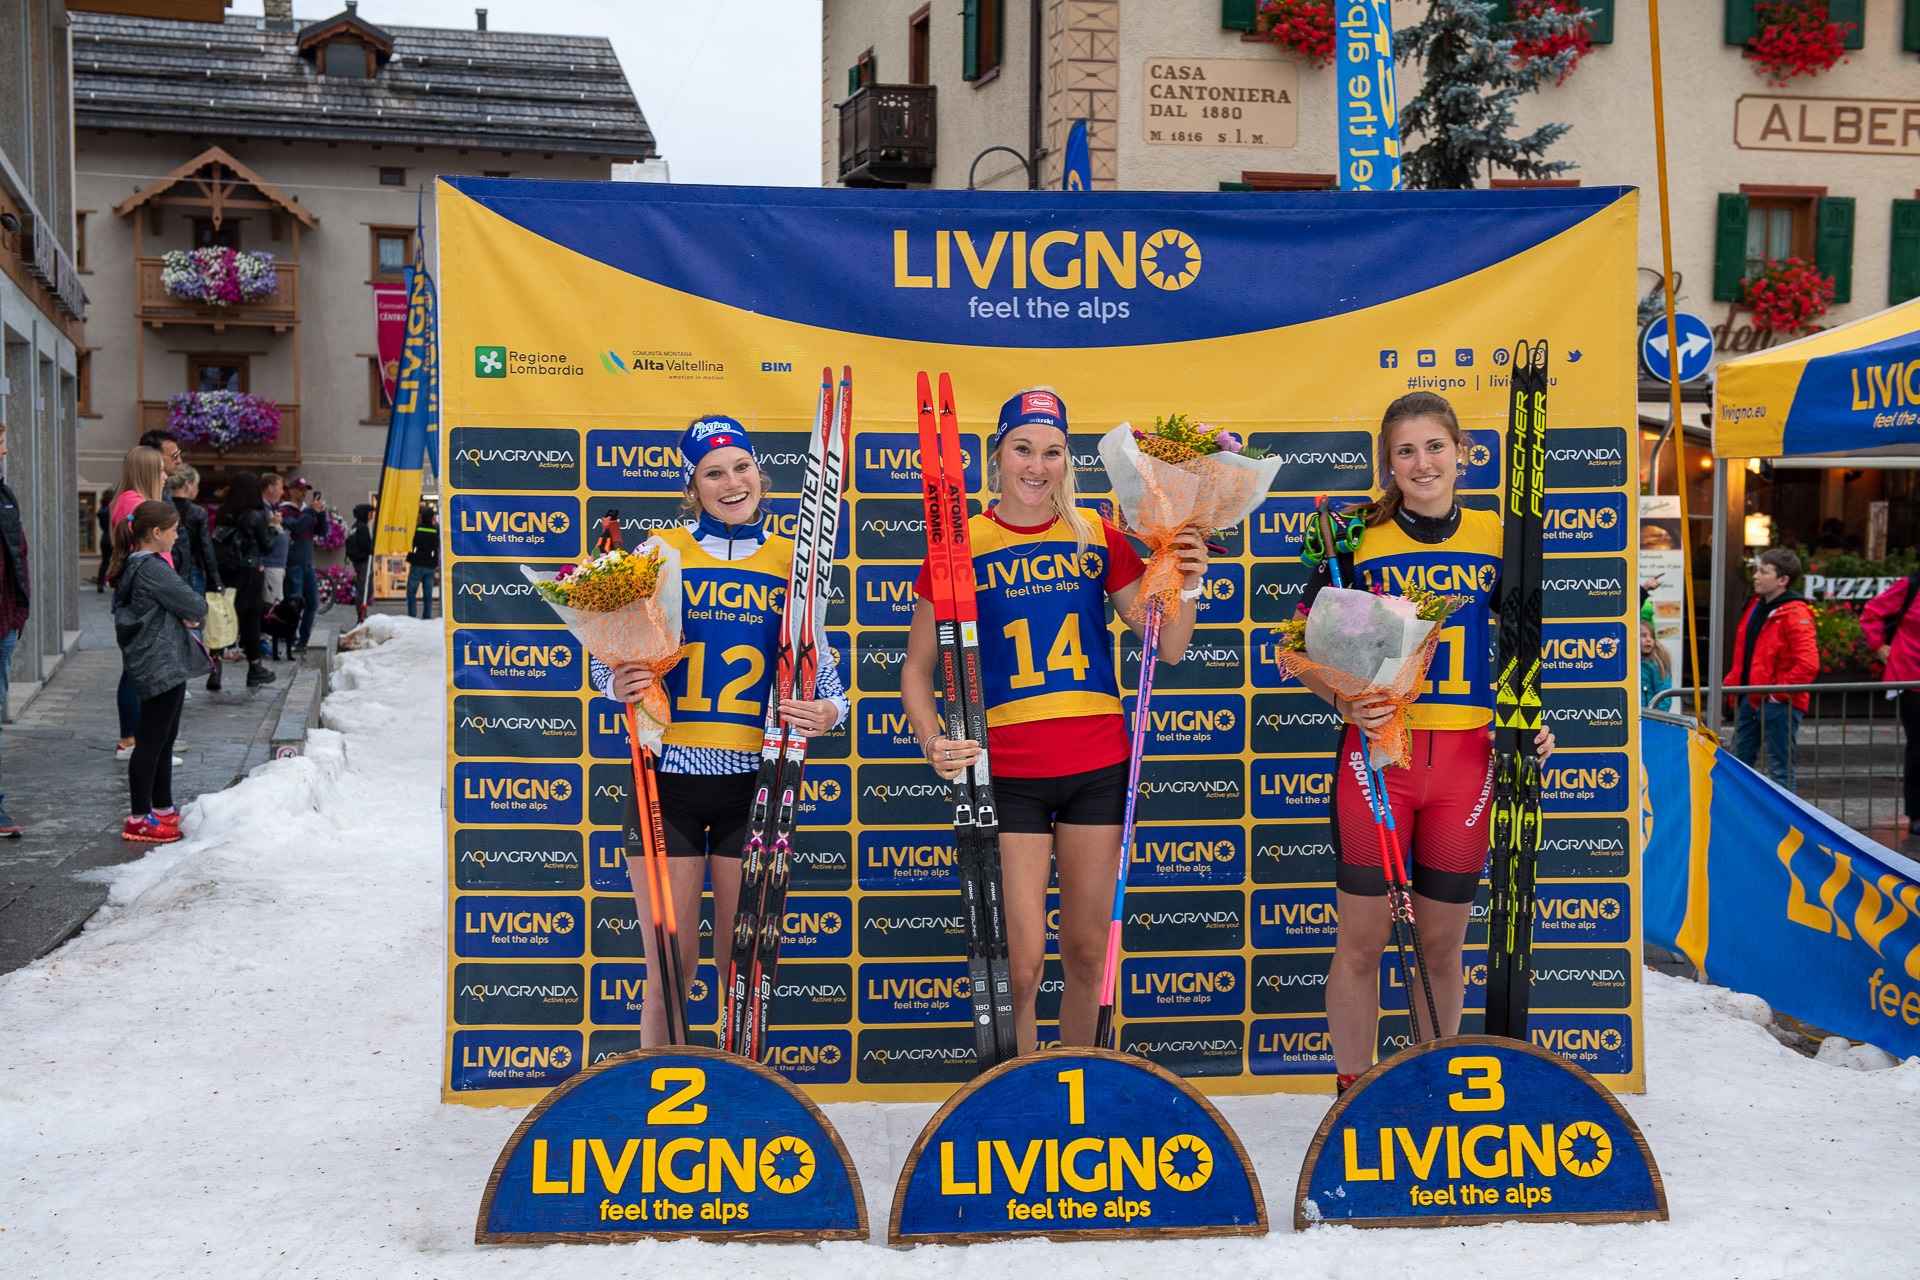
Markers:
{"x": 1159, "y": 496}
{"x": 619, "y": 627}
{"x": 1394, "y": 743}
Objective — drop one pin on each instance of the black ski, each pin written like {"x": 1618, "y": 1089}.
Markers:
{"x": 1518, "y": 714}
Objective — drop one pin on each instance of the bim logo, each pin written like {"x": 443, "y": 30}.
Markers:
{"x": 513, "y": 1059}
{"x": 516, "y": 792}
{"x": 1057, "y": 260}
{"x": 517, "y": 526}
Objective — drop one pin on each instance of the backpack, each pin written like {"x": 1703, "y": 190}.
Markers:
{"x": 1906, "y": 605}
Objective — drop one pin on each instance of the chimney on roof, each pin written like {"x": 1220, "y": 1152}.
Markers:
{"x": 279, "y": 15}
{"x": 479, "y": 19}
{"x": 353, "y": 8}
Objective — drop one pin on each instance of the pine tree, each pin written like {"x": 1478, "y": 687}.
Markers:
{"x": 1464, "y": 111}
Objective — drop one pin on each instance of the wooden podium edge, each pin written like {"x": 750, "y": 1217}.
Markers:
{"x": 1258, "y": 1227}
{"x": 1304, "y": 1183}
{"x": 860, "y": 1231}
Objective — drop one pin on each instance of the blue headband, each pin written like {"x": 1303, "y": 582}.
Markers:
{"x": 708, "y": 434}
{"x": 1031, "y": 409}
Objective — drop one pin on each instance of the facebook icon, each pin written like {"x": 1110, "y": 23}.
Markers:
{"x": 1389, "y": 359}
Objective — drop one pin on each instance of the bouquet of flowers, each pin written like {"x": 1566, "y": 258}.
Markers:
{"x": 625, "y": 607}
{"x": 1180, "y": 474}
{"x": 1369, "y": 648}
{"x": 222, "y": 419}
{"x": 218, "y": 277}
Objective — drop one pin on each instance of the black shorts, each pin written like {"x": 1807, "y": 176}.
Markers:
{"x": 703, "y": 814}
{"x": 1031, "y": 806}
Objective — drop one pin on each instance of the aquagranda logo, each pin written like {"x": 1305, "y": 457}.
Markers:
{"x": 539, "y": 457}
{"x": 1167, "y": 259}
{"x": 1157, "y": 919}
{"x": 539, "y": 724}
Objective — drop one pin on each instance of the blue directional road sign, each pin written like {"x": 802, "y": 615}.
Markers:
{"x": 1696, "y": 347}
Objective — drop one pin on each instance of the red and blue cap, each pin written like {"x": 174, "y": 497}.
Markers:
{"x": 1031, "y": 409}
{"x": 708, "y": 434}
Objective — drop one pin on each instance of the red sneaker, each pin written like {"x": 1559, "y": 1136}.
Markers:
{"x": 168, "y": 821}
{"x": 1342, "y": 1083}
{"x": 145, "y": 829}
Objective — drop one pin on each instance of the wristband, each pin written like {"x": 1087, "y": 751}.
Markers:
{"x": 1192, "y": 593}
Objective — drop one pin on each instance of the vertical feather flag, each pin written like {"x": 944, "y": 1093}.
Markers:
{"x": 413, "y": 435}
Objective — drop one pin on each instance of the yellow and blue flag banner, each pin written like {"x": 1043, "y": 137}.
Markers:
{"x": 1843, "y": 389}
{"x": 1079, "y": 160}
{"x": 1766, "y": 894}
{"x": 413, "y": 434}
{"x": 1369, "y": 104}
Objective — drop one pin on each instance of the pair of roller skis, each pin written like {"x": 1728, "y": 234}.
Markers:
{"x": 766, "y": 864}
{"x": 976, "y": 823}
{"x": 1517, "y": 712}
{"x": 1329, "y": 538}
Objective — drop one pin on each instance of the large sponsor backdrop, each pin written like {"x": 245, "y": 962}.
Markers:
{"x": 586, "y": 324}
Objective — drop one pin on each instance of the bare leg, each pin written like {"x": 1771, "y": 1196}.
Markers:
{"x": 687, "y": 877}
{"x": 1025, "y": 863}
{"x": 1443, "y": 931}
{"x": 1088, "y": 859}
{"x": 1353, "y": 981}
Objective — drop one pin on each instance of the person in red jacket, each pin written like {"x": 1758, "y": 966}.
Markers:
{"x": 1774, "y": 644}
{"x": 1892, "y": 624}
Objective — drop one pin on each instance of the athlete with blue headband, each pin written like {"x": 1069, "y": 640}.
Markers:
{"x": 734, "y": 572}
{"x": 1047, "y": 572}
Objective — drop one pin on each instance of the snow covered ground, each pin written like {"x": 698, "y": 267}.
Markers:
{"x": 234, "y": 1070}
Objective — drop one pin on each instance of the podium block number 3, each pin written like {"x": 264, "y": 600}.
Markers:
{"x": 1484, "y": 1092}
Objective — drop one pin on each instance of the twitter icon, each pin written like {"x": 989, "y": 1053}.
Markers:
{"x": 1573, "y": 357}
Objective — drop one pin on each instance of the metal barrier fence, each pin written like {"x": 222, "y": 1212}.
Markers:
{"x": 1848, "y": 757}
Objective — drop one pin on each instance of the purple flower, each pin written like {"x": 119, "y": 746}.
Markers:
{"x": 1227, "y": 442}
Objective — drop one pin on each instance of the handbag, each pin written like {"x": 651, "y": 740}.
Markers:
{"x": 222, "y": 625}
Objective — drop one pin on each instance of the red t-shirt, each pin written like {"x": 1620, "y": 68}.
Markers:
{"x": 1040, "y": 748}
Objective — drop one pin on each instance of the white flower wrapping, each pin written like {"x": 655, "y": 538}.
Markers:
{"x": 1369, "y": 648}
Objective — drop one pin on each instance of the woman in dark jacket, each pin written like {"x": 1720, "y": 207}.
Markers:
{"x": 241, "y": 536}
{"x": 193, "y": 552}
{"x": 424, "y": 560}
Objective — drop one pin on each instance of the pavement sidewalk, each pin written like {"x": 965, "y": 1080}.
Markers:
{"x": 63, "y": 785}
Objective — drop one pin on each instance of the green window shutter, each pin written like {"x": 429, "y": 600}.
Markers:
{"x": 999, "y": 30}
{"x": 1248, "y": 186}
{"x": 970, "y": 40}
{"x": 1239, "y": 15}
{"x": 1730, "y": 247}
{"x": 853, "y": 80}
{"x": 1602, "y": 20}
{"x": 1910, "y": 33}
{"x": 1833, "y": 240}
{"x": 1854, "y": 11}
{"x": 1743, "y": 21}
{"x": 1903, "y": 267}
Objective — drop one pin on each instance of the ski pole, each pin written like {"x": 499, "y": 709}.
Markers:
{"x": 1110, "y": 974}
{"x": 1373, "y": 787}
{"x": 666, "y": 933}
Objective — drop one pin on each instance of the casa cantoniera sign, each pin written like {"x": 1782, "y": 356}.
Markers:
{"x": 1219, "y": 102}
{"x": 1851, "y": 126}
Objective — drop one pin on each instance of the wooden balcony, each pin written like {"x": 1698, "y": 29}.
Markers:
{"x": 284, "y": 451}
{"x": 888, "y": 136}
{"x": 155, "y": 306}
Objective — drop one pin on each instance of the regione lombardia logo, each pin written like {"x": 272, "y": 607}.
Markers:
{"x": 489, "y": 362}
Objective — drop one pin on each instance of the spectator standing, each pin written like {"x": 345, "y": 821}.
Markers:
{"x": 303, "y": 519}
{"x": 274, "y": 564}
{"x": 1656, "y": 668}
{"x": 360, "y": 555}
{"x": 241, "y": 538}
{"x": 423, "y": 561}
{"x": 1889, "y": 618}
{"x": 14, "y": 582}
{"x": 154, "y": 613}
{"x": 193, "y": 550}
{"x": 171, "y": 458}
{"x": 1774, "y": 643}
{"x": 103, "y": 516}
{"x": 143, "y": 478}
